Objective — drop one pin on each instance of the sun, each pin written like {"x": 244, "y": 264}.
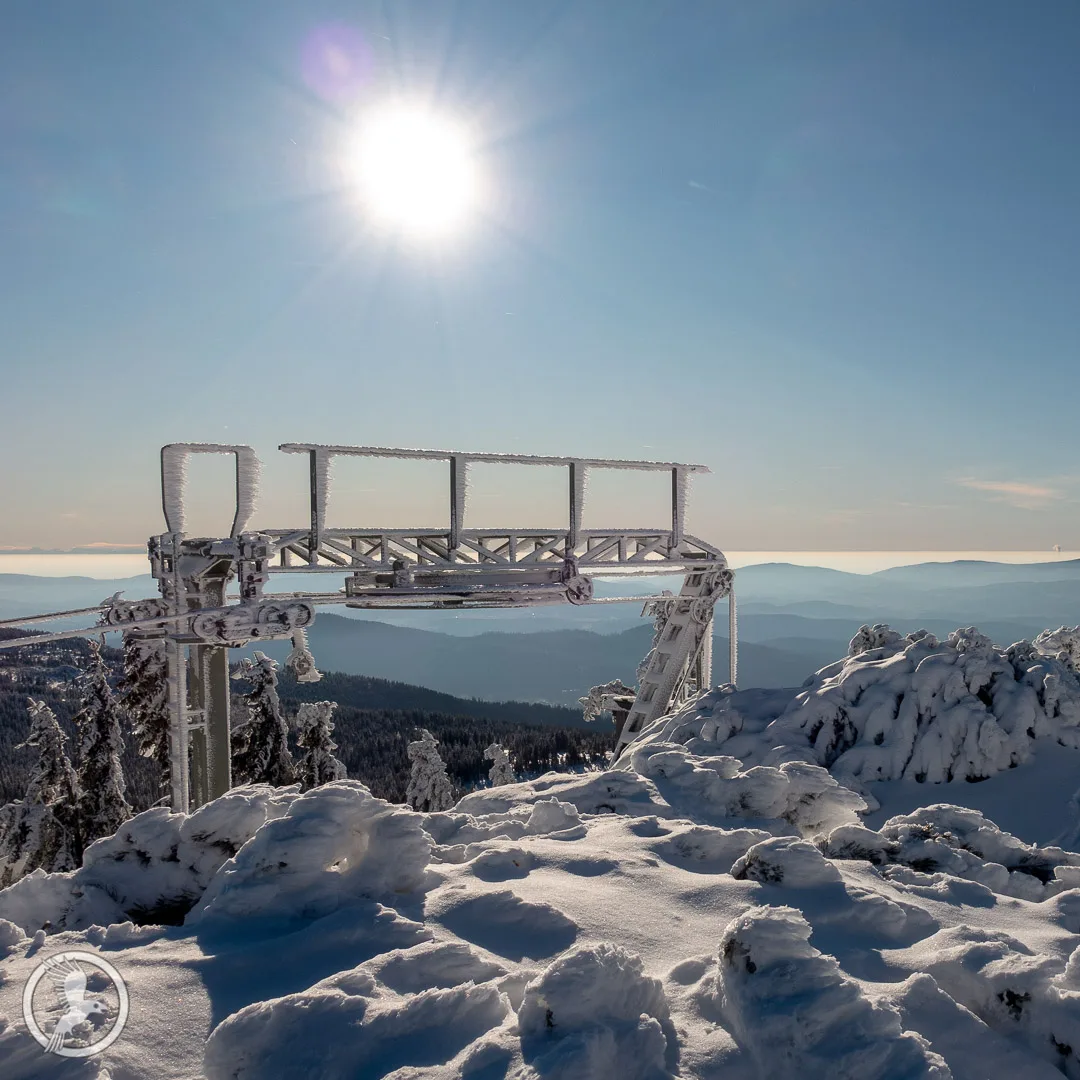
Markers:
{"x": 415, "y": 170}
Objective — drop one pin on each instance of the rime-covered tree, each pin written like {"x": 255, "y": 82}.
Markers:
{"x": 260, "y": 748}
{"x": 315, "y": 724}
{"x": 101, "y": 808}
{"x": 145, "y": 689}
{"x": 53, "y": 779}
{"x": 429, "y": 786}
{"x": 501, "y": 772}
{"x": 39, "y": 832}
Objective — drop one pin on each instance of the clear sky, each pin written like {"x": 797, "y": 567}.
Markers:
{"x": 828, "y": 249}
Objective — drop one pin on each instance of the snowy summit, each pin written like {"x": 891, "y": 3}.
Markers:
{"x": 689, "y": 912}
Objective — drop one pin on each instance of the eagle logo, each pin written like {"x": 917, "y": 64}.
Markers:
{"x": 69, "y": 1026}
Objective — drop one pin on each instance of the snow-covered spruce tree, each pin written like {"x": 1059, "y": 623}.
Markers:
{"x": 501, "y": 772}
{"x": 101, "y": 808}
{"x": 260, "y": 748}
{"x": 53, "y": 779}
{"x": 429, "y": 786}
{"x": 145, "y": 689}
{"x": 1063, "y": 644}
{"x": 315, "y": 726}
{"x": 39, "y": 832}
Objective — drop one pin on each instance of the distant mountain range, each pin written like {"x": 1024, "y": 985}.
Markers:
{"x": 792, "y": 620}
{"x": 555, "y": 666}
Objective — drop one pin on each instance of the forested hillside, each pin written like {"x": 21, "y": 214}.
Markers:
{"x": 47, "y": 673}
{"x": 374, "y": 722}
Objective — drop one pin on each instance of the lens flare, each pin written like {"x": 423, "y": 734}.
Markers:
{"x": 337, "y": 63}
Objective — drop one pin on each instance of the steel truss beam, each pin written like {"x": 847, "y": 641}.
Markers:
{"x": 639, "y": 551}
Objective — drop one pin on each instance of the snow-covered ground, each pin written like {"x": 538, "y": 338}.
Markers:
{"x": 715, "y": 905}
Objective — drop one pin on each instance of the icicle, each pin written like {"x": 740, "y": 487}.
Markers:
{"x": 733, "y": 637}
{"x": 686, "y": 480}
{"x": 459, "y": 494}
{"x": 300, "y": 661}
{"x": 247, "y": 487}
{"x": 579, "y": 479}
{"x": 466, "y": 488}
{"x": 174, "y": 459}
{"x": 323, "y": 476}
{"x": 678, "y": 504}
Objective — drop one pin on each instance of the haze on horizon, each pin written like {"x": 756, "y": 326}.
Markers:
{"x": 826, "y": 249}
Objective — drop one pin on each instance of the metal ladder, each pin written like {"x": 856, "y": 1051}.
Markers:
{"x": 680, "y": 663}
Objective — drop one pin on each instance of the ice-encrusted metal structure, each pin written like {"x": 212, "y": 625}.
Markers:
{"x": 447, "y": 566}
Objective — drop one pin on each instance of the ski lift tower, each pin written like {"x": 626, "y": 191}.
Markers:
{"x": 450, "y": 566}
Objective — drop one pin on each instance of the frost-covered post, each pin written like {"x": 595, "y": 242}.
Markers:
{"x": 102, "y": 807}
{"x": 260, "y": 747}
{"x": 300, "y": 661}
{"x": 501, "y": 772}
{"x": 39, "y": 832}
{"x": 315, "y": 724}
{"x": 145, "y": 688}
{"x": 429, "y": 786}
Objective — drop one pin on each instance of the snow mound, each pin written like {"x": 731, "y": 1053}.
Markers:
{"x": 153, "y": 869}
{"x": 553, "y": 816}
{"x": 784, "y": 860}
{"x": 593, "y": 1013}
{"x": 899, "y": 707}
{"x": 870, "y": 914}
{"x": 802, "y": 795}
{"x": 610, "y": 792}
{"x": 801, "y": 1017}
{"x": 433, "y": 964}
{"x": 943, "y": 839}
{"x": 10, "y": 936}
{"x": 1067, "y": 906}
{"x": 499, "y": 863}
{"x": 1032, "y": 997}
{"x": 669, "y": 780}
{"x": 351, "y": 1026}
{"x": 706, "y": 849}
{"x": 335, "y": 844}
{"x": 508, "y": 926}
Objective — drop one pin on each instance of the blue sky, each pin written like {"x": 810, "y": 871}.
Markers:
{"x": 828, "y": 249}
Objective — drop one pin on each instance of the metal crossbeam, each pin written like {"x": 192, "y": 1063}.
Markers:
{"x": 465, "y": 457}
{"x": 609, "y": 551}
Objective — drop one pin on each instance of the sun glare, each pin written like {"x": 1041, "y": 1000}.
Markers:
{"x": 415, "y": 171}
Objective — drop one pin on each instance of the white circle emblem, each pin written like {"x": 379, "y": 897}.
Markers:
{"x": 64, "y": 1014}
